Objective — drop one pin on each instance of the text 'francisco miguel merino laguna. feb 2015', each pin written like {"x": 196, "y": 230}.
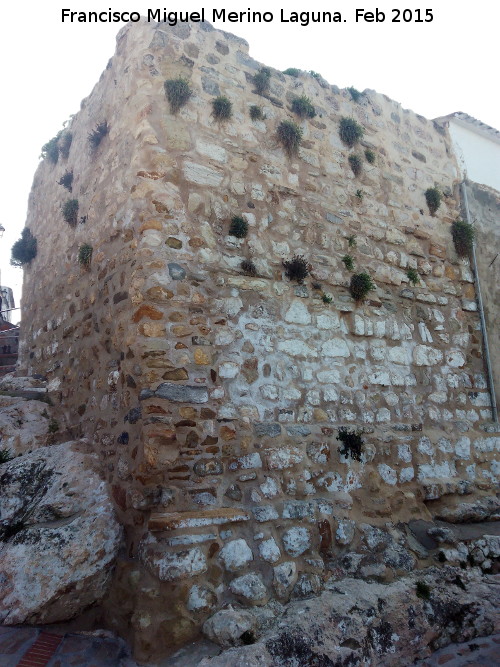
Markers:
{"x": 172, "y": 18}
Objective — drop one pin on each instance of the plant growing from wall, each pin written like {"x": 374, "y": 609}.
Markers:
{"x": 303, "y": 107}
{"x": 97, "y": 134}
{"x": 66, "y": 180}
{"x": 70, "y": 211}
{"x": 5, "y": 456}
{"x": 360, "y": 194}
{"x": 85, "y": 255}
{"x": 256, "y": 113}
{"x": 65, "y": 144}
{"x": 348, "y": 262}
{"x": 262, "y": 80}
{"x": 315, "y": 75}
{"x": 292, "y": 71}
{"x": 351, "y": 241}
{"x": 350, "y": 131}
{"x": 177, "y": 92}
{"x": 433, "y": 198}
{"x": 355, "y": 163}
{"x": 290, "y": 136}
{"x": 248, "y": 267}
{"x": 352, "y": 443}
{"x": 413, "y": 277}
{"x": 24, "y": 249}
{"x": 355, "y": 94}
{"x": 463, "y": 237}
{"x": 53, "y": 426}
{"x": 370, "y": 156}
{"x": 50, "y": 150}
{"x": 238, "y": 227}
{"x": 423, "y": 590}
{"x": 361, "y": 284}
{"x": 297, "y": 268}
{"x": 222, "y": 108}
{"x": 326, "y": 298}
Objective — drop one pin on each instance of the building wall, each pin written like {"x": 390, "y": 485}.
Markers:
{"x": 214, "y": 398}
{"x": 484, "y": 207}
{"x": 479, "y": 156}
{"x": 7, "y": 303}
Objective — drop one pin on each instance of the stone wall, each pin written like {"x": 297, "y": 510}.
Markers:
{"x": 484, "y": 207}
{"x": 214, "y": 398}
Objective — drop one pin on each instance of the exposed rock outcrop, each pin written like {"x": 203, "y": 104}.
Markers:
{"x": 58, "y": 535}
{"x": 358, "y": 623}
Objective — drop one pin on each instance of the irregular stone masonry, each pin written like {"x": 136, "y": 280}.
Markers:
{"x": 213, "y": 397}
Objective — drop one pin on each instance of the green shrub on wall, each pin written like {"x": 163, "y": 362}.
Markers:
{"x": 292, "y": 71}
{"x": 297, "y": 268}
{"x": 356, "y": 164}
{"x": 370, "y": 156}
{"x": 248, "y": 267}
{"x": 290, "y": 136}
{"x": 65, "y": 144}
{"x": 24, "y": 249}
{"x": 96, "y": 136}
{"x": 50, "y": 150}
{"x": 355, "y": 94}
{"x": 70, "y": 211}
{"x": 350, "y": 131}
{"x": 413, "y": 277}
{"x": 433, "y": 198}
{"x": 66, "y": 180}
{"x": 256, "y": 112}
{"x": 352, "y": 443}
{"x": 361, "y": 284}
{"x": 463, "y": 237}
{"x": 85, "y": 255}
{"x": 177, "y": 92}
{"x": 303, "y": 107}
{"x": 5, "y": 456}
{"x": 262, "y": 80}
{"x": 238, "y": 227}
{"x": 348, "y": 261}
{"x": 222, "y": 108}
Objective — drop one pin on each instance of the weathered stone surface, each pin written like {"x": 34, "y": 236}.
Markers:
{"x": 404, "y": 629}
{"x": 236, "y": 554}
{"x": 229, "y": 627}
{"x": 23, "y": 424}
{"x": 60, "y": 536}
{"x": 176, "y": 272}
{"x": 250, "y": 587}
{"x": 182, "y": 393}
{"x": 296, "y": 540}
{"x": 170, "y": 565}
{"x": 269, "y": 550}
{"x": 483, "y": 509}
{"x": 173, "y": 520}
{"x": 243, "y": 379}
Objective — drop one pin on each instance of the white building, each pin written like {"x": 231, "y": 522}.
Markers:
{"x": 477, "y": 147}
{"x": 7, "y": 304}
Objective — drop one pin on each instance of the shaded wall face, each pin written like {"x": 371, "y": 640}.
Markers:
{"x": 214, "y": 397}
{"x": 484, "y": 205}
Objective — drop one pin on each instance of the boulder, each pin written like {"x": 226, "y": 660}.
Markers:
{"x": 24, "y": 424}
{"x": 230, "y": 627}
{"x": 355, "y": 622}
{"x": 482, "y": 509}
{"x": 59, "y": 536}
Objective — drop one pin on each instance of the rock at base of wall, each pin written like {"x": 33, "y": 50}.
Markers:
{"x": 355, "y": 622}
{"x": 58, "y": 535}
